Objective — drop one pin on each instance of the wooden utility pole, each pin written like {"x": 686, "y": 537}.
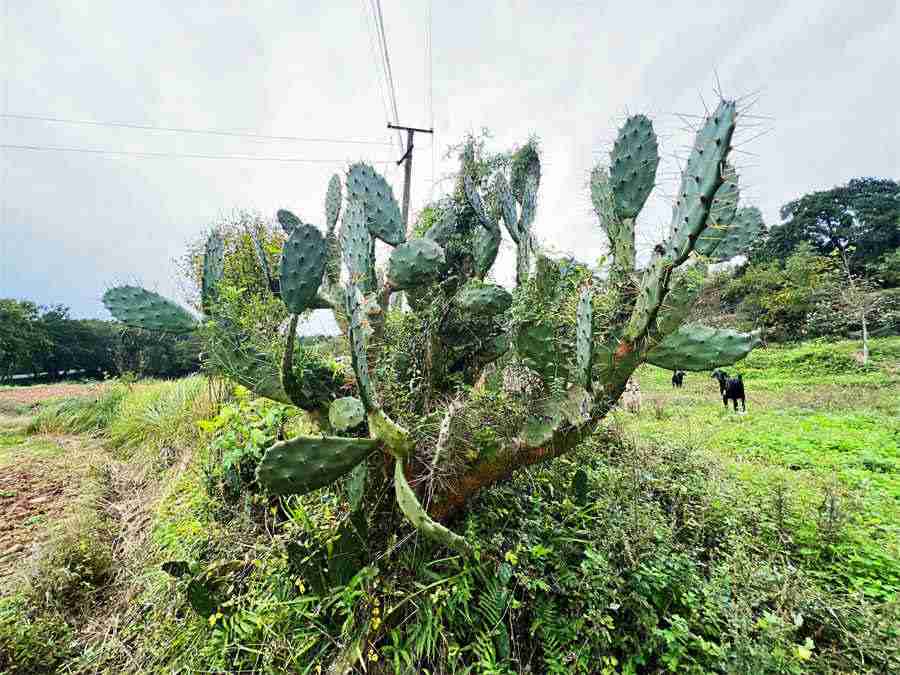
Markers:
{"x": 407, "y": 173}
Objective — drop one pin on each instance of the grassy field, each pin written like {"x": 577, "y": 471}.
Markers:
{"x": 819, "y": 425}
{"x": 704, "y": 540}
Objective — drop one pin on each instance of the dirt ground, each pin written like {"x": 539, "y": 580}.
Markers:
{"x": 39, "y": 392}
{"x": 40, "y": 476}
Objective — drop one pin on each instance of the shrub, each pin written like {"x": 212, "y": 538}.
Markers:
{"x": 31, "y": 643}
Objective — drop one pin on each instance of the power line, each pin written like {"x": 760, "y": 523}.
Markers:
{"x": 381, "y": 76}
{"x": 185, "y": 130}
{"x": 429, "y": 91}
{"x": 387, "y": 60}
{"x": 130, "y": 153}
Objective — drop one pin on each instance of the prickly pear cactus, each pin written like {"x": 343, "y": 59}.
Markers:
{"x": 140, "y": 308}
{"x": 551, "y": 356}
{"x": 302, "y": 266}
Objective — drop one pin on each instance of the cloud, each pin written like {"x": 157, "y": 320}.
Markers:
{"x": 74, "y": 222}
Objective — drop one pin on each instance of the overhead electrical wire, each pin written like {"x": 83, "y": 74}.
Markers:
{"x": 392, "y": 92}
{"x": 182, "y": 155}
{"x": 187, "y": 130}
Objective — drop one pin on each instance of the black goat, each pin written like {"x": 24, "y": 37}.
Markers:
{"x": 731, "y": 388}
{"x": 678, "y": 378}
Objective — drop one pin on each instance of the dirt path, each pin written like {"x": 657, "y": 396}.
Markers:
{"x": 26, "y": 396}
{"x": 41, "y": 477}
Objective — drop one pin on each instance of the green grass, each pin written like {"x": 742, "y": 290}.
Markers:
{"x": 818, "y": 424}
{"x": 706, "y": 542}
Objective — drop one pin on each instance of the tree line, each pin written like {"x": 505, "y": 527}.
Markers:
{"x": 831, "y": 268}
{"x": 45, "y": 342}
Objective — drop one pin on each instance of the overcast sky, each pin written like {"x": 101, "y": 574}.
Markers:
{"x": 824, "y": 76}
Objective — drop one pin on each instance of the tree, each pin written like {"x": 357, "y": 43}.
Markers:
{"x": 864, "y": 214}
{"x": 860, "y": 295}
{"x": 21, "y": 339}
{"x": 780, "y": 296}
{"x": 473, "y": 382}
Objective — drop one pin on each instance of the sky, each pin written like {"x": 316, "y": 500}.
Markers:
{"x": 819, "y": 80}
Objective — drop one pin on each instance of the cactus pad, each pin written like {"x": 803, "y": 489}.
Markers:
{"x": 383, "y": 217}
{"x": 485, "y": 245}
{"x": 721, "y": 213}
{"x": 694, "y": 347}
{"x": 507, "y": 205}
{"x": 475, "y": 201}
{"x": 415, "y": 263}
{"x": 700, "y": 180}
{"x": 419, "y": 518}
{"x": 302, "y": 266}
{"x": 358, "y": 325}
{"x": 538, "y": 349}
{"x": 526, "y": 163}
{"x": 213, "y": 267}
{"x": 332, "y": 203}
{"x": 346, "y": 413}
{"x": 746, "y": 227}
{"x": 287, "y": 220}
{"x": 632, "y": 169}
{"x": 140, "y": 308}
{"x": 583, "y": 338}
{"x": 441, "y": 231}
{"x": 355, "y": 241}
{"x": 483, "y": 300}
{"x": 302, "y": 464}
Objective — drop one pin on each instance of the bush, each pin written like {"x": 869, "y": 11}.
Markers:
{"x": 31, "y": 644}
{"x": 76, "y": 564}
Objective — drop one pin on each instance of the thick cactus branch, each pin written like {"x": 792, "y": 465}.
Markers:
{"x": 701, "y": 179}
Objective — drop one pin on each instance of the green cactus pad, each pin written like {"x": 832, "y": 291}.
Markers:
{"x": 721, "y": 213}
{"x": 684, "y": 289}
{"x": 475, "y": 201}
{"x": 383, "y": 217}
{"x": 415, "y": 263}
{"x": 419, "y": 518}
{"x": 355, "y": 241}
{"x": 213, "y": 268}
{"x": 539, "y": 429}
{"x": 445, "y": 228}
{"x": 529, "y": 206}
{"x": 358, "y": 325}
{"x": 346, "y": 413}
{"x": 332, "y": 203}
{"x": 695, "y": 347}
{"x": 302, "y": 464}
{"x": 485, "y": 245}
{"x": 632, "y": 169}
{"x": 507, "y": 205}
{"x": 746, "y": 227}
{"x": 302, "y": 266}
{"x": 526, "y": 163}
{"x": 538, "y": 349}
{"x": 483, "y": 300}
{"x": 287, "y": 220}
{"x": 701, "y": 179}
{"x": 602, "y": 200}
{"x": 140, "y": 308}
{"x": 584, "y": 338}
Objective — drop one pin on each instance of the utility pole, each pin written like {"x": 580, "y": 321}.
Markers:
{"x": 407, "y": 157}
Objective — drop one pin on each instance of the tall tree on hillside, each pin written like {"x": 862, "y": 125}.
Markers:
{"x": 864, "y": 213}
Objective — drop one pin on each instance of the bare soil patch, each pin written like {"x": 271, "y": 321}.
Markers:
{"x": 40, "y": 481}
{"x": 39, "y": 392}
